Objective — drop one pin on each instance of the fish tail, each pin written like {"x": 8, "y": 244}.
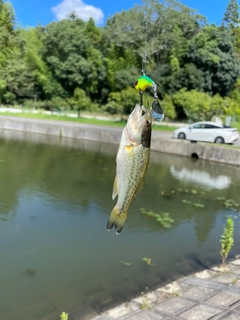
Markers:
{"x": 117, "y": 220}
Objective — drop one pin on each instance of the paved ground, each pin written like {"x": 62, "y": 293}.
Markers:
{"x": 211, "y": 294}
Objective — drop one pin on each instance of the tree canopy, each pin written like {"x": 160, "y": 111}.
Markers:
{"x": 77, "y": 65}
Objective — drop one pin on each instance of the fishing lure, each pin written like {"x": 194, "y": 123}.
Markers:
{"x": 141, "y": 84}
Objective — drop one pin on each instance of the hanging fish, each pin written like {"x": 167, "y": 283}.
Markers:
{"x": 132, "y": 161}
{"x": 143, "y": 82}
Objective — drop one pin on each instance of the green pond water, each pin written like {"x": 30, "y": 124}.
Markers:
{"x": 55, "y": 199}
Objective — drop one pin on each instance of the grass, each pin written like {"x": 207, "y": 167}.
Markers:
{"x": 146, "y": 305}
{"x": 112, "y": 123}
{"x": 227, "y": 240}
{"x": 44, "y": 116}
{"x": 234, "y": 280}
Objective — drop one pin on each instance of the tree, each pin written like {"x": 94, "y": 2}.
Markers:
{"x": 7, "y": 34}
{"x": 45, "y": 86}
{"x": 7, "y": 16}
{"x": 154, "y": 28}
{"x": 18, "y": 78}
{"x": 199, "y": 106}
{"x": 71, "y": 50}
{"x": 3, "y": 86}
{"x": 64, "y": 50}
{"x": 169, "y": 82}
{"x": 169, "y": 108}
{"x": 231, "y": 16}
{"x": 211, "y": 50}
{"x": 80, "y": 101}
{"x": 15, "y": 76}
{"x": 122, "y": 102}
{"x": 120, "y": 67}
{"x": 162, "y": 31}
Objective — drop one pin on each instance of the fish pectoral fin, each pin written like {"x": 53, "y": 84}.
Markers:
{"x": 129, "y": 148}
{"x": 115, "y": 189}
{"x": 117, "y": 219}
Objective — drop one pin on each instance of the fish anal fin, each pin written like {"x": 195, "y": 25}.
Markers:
{"x": 115, "y": 189}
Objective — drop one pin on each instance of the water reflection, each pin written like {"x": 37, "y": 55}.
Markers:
{"x": 201, "y": 178}
{"x": 55, "y": 197}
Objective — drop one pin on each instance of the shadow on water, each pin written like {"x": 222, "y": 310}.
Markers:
{"x": 55, "y": 199}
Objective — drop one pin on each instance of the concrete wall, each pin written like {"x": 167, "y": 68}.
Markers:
{"x": 223, "y": 154}
{"x": 112, "y": 135}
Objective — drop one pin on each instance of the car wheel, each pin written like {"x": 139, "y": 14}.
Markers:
{"x": 181, "y": 135}
{"x": 219, "y": 140}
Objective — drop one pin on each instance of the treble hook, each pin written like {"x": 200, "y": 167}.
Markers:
{"x": 157, "y": 110}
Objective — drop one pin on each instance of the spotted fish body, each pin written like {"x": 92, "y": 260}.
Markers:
{"x": 132, "y": 161}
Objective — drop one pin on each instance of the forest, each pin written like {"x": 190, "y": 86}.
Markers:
{"x": 76, "y": 65}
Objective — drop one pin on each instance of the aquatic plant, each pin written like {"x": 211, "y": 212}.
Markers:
{"x": 126, "y": 263}
{"x": 163, "y": 218}
{"x": 148, "y": 261}
{"x": 227, "y": 240}
{"x": 64, "y": 316}
{"x": 229, "y": 204}
{"x": 198, "y": 205}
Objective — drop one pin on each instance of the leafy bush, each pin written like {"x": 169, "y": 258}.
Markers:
{"x": 199, "y": 106}
{"x": 168, "y": 107}
{"x": 122, "y": 102}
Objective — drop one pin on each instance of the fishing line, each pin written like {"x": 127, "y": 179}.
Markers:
{"x": 144, "y": 58}
{"x": 144, "y": 81}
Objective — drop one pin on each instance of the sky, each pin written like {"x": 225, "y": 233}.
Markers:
{"x": 32, "y": 12}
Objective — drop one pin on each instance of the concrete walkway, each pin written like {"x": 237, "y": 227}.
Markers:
{"x": 210, "y": 294}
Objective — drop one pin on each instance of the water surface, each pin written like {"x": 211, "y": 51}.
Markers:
{"x": 55, "y": 199}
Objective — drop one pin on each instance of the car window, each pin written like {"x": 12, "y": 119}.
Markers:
{"x": 198, "y": 126}
{"x": 210, "y": 126}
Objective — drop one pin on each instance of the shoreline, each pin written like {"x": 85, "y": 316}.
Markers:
{"x": 112, "y": 135}
{"x": 213, "y": 293}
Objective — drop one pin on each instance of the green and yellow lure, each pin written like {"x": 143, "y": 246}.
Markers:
{"x": 143, "y": 82}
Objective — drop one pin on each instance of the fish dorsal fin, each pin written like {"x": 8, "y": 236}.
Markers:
{"x": 115, "y": 190}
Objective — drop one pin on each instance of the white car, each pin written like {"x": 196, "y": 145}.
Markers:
{"x": 207, "y": 131}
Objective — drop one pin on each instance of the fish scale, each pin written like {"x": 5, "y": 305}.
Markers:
{"x": 134, "y": 170}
